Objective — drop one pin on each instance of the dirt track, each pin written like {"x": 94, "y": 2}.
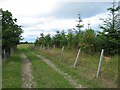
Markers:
{"x": 27, "y": 77}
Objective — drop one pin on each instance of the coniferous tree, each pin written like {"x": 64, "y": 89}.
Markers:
{"x": 110, "y": 33}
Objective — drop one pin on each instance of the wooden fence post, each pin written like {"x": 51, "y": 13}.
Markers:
{"x": 53, "y": 50}
{"x": 54, "y": 47}
{"x": 5, "y": 56}
{"x": 100, "y": 62}
{"x": 41, "y": 47}
{"x": 62, "y": 53}
{"x": 48, "y": 47}
{"x": 77, "y": 58}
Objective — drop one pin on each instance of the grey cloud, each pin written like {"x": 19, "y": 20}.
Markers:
{"x": 87, "y": 9}
{"x": 26, "y": 25}
{"x": 69, "y": 10}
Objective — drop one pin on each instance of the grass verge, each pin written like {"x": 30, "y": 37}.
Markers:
{"x": 11, "y": 71}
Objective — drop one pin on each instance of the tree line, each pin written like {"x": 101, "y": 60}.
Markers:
{"x": 89, "y": 40}
{"x": 11, "y": 33}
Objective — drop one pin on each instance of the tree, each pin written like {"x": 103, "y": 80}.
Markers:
{"x": 78, "y": 40}
{"x": 111, "y": 31}
{"x": 78, "y": 36}
{"x": 88, "y": 40}
{"x": 63, "y": 41}
{"x": 56, "y": 39}
{"x": 79, "y": 26}
{"x": 1, "y": 31}
{"x": 48, "y": 40}
{"x": 11, "y": 32}
{"x": 40, "y": 40}
{"x": 70, "y": 39}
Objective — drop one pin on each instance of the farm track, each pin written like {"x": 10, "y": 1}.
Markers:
{"x": 65, "y": 75}
{"x": 27, "y": 77}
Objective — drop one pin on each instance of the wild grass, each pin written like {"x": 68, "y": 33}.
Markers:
{"x": 86, "y": 69}
{"x": 11, "y": 71}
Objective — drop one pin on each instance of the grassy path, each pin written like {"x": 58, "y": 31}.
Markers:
{"x": 23, "y": 70}
{"x": 68, "y": 77}
{"x": 43, "y": 74}
{"x": 26, "y": 70}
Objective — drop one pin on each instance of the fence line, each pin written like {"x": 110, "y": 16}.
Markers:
{"x": 61, "y": 53}
{"x": 77, "y": 58}
{"x": 100, "y": 62}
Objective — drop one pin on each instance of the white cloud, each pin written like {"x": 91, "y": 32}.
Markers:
{"x": 29, "y": 7}
{"x": 60, "y": 24}
{"x": 57, "y": 24}
{"x": 31, "y": 15}
{"x": 89, "y": 0}
{"x": 95, "y": 20}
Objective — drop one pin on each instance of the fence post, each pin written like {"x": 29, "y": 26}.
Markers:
{"x": 54, "y": 47}
{"x": 62, "y": 53}
{"x": 53, "y": 50}
{"x": 48, "y": 47}
{"x": 41, "y": 47}
{"x": 100, "y": 62}
{"x": 77, "y": 58}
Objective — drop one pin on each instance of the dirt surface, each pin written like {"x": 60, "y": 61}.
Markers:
{"x": 66, "y": 76}
{"x": 27, "y": 73}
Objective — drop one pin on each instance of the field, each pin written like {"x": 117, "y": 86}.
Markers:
{"x": 44, "y": 76}
{"x": 86, "y": 69}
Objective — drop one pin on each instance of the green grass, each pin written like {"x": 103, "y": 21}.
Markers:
{"x": 11, "y": 71}
{"x": 0, "y": 71}
{"x": 86, "y": 69}
{"x": 45, "y": 76}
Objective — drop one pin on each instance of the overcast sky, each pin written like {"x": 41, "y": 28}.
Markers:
{"x": 48, "y": 16}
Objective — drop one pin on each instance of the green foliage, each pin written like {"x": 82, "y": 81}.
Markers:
{"x": 70, "y": 39}
{"x": 56, "y": 39}
{"x": 10, "y": 31}
{"x": 84, "y": 40}
{"x": 88, "y": 40}
{"x": 11, "y": 71}
{"x": 111, "y": 32}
